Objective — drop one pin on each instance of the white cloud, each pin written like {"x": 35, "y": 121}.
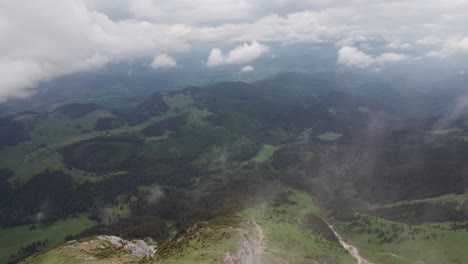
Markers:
{"x": 396, "y": 44}
{"x": 452, "y": 46}
{"x": 352, "y": 57}
{"x": 52, "y": 38}
{"x": 351, "y": 41}
{"x": 239, "y": 55}
{"x": 248, "y": 68}
{"x": 430, "y": 40}
{"x": 18, "y": 76}
{"x": 189, "y": 11}
{"x": 205, "y": 12}
{"x": 390, "y": 57}
{"x": 163, "y": 61}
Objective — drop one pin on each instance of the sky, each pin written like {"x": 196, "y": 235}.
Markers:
{"x": 45, "y": 39}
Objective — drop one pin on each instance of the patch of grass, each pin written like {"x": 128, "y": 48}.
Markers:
{"x": 27, "y": 165}
{"x": 181, "y": 101}
{"x": 197, "y": 116}
{"x": 119, "y": 211}
{"x": 11, "y": 239}
{"x": 444, "y": 198}
{"x": 330, "y": 136}
{"x": 445, "y": 131}
{"x": 265, "y": 153}
{"x": 158, "y": 138}
{"x": 363, "y": 109}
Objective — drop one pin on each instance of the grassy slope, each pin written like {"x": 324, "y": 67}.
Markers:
{"x": 285, "y": 240}
{"x": 28, "y": 158}
{"x": 330, "y": 136}
{"x": 444, "y": 198}
{"x": 12, "y": 238}
{"x": 445, "y": 131}
{"x": 41, "y": 152}
{"x": 413, "y": 245}
{"x": 203, "y": 245}
{"x": 56, "y": 131}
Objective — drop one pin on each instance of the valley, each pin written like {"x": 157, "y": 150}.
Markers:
{"x": 235, "y": 173}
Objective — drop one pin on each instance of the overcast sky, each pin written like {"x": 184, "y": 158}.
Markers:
{"x": 44, "y": 39}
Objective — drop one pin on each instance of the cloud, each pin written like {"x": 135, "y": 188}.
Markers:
{"x": 430, "y": 40}
{"x": 351, "y": 41}
{"x": 18, "y": 76}
{"x": 189, "y": 11}
{"x": 38, "y": 48}
{"x": 248, "y": 68}
{"x": 352, "y": 57}
{"x": 155, "y": 194}
{"x": 450, "y": 47}
{"x": 239, "y": 55}
{"x": 204, "y": 12}
{"x": 396, "y": 44}
{"x": 163, "y": 61}
{"x": 93, "y": 33}
{"x": 390, "y": 57}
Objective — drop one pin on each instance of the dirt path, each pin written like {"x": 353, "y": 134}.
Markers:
{"x": 350, "y": 248}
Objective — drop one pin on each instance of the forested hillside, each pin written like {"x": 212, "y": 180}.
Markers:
{"x": 239, "y": 153}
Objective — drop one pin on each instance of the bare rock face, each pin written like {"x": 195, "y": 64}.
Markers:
{"x": 250, "y": 251}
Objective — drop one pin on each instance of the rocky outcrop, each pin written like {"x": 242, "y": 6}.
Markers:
{"x": 100, "y": 249}
{"x": 135, "y": 248}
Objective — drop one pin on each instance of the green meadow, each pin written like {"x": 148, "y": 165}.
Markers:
{"x": 11, "y": 239}
{"x": 384, "y": 241}
{"x": 330, "y": 136}
{"x": 265, "y": 153}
